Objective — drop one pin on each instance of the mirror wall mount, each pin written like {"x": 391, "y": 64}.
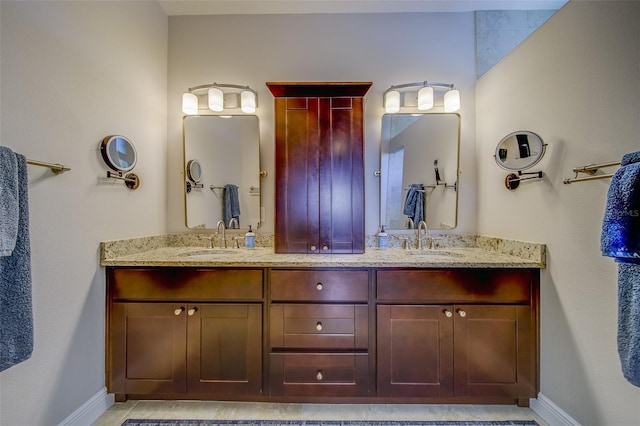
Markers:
{"x": 219, "y": 97}
{"x": 120, "y": 156}
{"x": 520, "y": 151}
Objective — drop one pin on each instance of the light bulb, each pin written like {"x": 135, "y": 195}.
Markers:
{"x": 452, "y": 101}
{"x": 189, "y": 103}
{"x": 392, "y": 101}
{"x": 216, "y": 99}
{"x": 425, "y": 98}
{"x": 248, "y": 102}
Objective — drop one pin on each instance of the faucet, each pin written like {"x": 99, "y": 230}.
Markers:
{"x": 223, "y": 242}
{"x": 231, "y": 221}
{"x": 426, "y": 231}
{"x": 410, "y": 223}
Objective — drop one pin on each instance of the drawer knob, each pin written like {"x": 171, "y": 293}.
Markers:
{"x": 325, "y": 247}
{"x": 319, "y": 326}
{"x": 314, "y": 248}
{"x": 462, "y": 313}
{"x": 319, "y": 375}
{"x": 319, "y": 286}
{"x": 179, "y": 311}
{"x": 448, "y": 314}
{"x": 192, "y": 311}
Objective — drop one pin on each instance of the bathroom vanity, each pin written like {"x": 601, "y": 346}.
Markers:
{"x": 450, "y": 326}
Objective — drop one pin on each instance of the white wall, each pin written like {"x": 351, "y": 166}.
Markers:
{"x": 384, "y": 48}
{"x": 574, "y": 82}
{"x": 73, "y": 73}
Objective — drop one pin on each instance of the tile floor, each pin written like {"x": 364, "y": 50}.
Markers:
{"x": 119, "y": 412}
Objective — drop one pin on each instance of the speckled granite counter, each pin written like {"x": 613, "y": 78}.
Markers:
{"x": 451, "y": 251}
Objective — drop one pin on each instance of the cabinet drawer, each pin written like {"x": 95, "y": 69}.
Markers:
{"x": 319, "y": 326}
{"x": 319, "y": 285}
{"x": 185, "y": 284}
{"x": 455, "y": 286}
{"x": 319, "y": 374}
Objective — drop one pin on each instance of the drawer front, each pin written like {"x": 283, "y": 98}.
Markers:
{"x": 455, "y": 286}
{"x": 319, "y": 286}
{"x": 319, "y": 374}
{"x": 319, "y": 326}
{"x": 185, "y": 284}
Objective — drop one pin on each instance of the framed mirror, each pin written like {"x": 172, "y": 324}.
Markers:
{"x": 419, "y": 164}
{"x": 118, "y": 153}
{"x": 228, "y": 163}
{"x": 519, "y": 150}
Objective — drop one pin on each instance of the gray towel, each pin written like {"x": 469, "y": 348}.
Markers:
{"x": 629, "y": 320}
{"x": 16, "y": 317}
{"x": 414, "y": 203}
{"x": 230, "y": 204}
{"x": 8, "y": 201}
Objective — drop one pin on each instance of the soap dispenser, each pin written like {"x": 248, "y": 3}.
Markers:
{"x": 250, "y": 239}
{"x": 383, "y": 238}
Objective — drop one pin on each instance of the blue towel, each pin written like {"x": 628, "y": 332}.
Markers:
{"x": 16, "y": 317}
{"x": 621, "y": 240}
{"x": 8, "y": 201}
{"x": 230, "y": 204}
{"x": 414, "y": 203}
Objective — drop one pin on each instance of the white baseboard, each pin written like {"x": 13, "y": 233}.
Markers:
{"x": 550, "y": 412}
{"x": 90, "y": 410}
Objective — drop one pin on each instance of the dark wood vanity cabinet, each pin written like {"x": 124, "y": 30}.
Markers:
{"x": 457, "y": 334}
{"x": 184, "y": 331}
{"x": 319, "y": 167}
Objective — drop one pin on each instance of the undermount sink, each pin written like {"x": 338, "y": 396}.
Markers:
{"x": 210, "y": 253}
{"x": 434, "y": 254}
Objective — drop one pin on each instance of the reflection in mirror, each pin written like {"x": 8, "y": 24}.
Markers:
{"x": 520, "y": 151}
{"x": 194, "y": 171}
{"x": 118, "y": 153}
{"x": 410, "y": 186}
{"x": 227, "y": 149}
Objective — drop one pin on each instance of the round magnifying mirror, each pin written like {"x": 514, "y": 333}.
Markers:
{"x": 194, "y": 171}
{"x": 118, "y": 153}
{"x": 520, "y": 151}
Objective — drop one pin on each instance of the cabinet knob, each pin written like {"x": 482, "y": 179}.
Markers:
{"x": 319, "y": 375}
{"x": 192, "y": 311}
{"x": 319, "y": 286}
{"x": 179, "y": 311}
{"x": 314, "y": 248}
{"x": 319, "y": 326}
{"x": 448, "y": 314}
{"x": 325, "y": 247}
{"x": 462, "y": 313}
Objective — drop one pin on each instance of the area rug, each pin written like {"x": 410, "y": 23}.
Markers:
{"x": 148, "y": 422}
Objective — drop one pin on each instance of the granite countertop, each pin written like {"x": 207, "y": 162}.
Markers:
{"x": 458, "y": 252}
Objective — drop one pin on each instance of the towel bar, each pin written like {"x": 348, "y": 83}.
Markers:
{"x": 591, "y": 170}
{"x": 55, "y": 168}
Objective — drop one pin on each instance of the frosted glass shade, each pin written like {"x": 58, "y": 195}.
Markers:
{"x": 452, "y": 101}
{"x": 392, "y": 101}
{"x": 425, "y": 98}
{"x": 216, "y": 99}
{"x": 248, "y": 102}
{"x": 189, "y": 103}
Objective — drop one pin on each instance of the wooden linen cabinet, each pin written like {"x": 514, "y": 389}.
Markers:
{"x": 319, "y": 167}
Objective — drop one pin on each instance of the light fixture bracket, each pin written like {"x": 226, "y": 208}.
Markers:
{"x": 232, "y": 97}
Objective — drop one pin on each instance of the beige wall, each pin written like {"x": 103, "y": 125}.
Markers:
{"x": 73, "y": 73}
{"x": 383, "y": 48}
{"x": 574, "y": 82}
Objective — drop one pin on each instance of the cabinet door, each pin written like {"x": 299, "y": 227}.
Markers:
{"x": 494, "y": 351}
{"x": 415, "y": 351}
{"x": 147, "y": 348}
{"x": 319, "y": 175}
{"x": 225, "y": 349}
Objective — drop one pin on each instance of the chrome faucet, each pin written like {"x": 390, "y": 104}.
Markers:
{"x": 223, "y": 242}
{"x": 410, "y": 223}
{"x": 426, "y": 231}
{"x": 231, "y": 221}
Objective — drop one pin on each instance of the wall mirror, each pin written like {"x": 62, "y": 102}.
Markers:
{"x": 227, "y": 153}
{"x": 520, "y": 150}
{"x": 118, "y": 153}
{"x": 419, "y": 158}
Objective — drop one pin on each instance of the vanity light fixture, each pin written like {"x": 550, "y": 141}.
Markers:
{"x": 405, "y": 95}
{"x": 220, "y": 97}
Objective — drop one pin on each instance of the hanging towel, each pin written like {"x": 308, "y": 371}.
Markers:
{"x": 16, "y": 316}
{"x": 230, "y": 204}
{"x": 414, "y": 203}
{"x": 8, "y": 201}
{"x": 621, "y": 240}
